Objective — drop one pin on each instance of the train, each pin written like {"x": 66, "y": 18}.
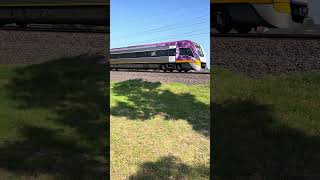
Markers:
{"x": 245, "y": 15}
{"x": 22, "y": 13}
{"x": 181, "y": 56}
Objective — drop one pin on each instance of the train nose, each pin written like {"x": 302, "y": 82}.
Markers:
{"x": 203, "y": 65}
{"x": 203, "y": 62}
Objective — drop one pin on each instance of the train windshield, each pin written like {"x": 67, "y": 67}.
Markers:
{"x": 186, "y": 52}
{"x": 199, "y": 49}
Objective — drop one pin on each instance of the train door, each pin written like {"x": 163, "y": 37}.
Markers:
{"x": 172, "y": 54}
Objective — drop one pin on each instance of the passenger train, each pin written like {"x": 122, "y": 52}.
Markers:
{"x": 181, "y": 55}
{"x": 243, "y": 15}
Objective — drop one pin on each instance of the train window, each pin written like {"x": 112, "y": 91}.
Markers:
{"x": 162, "y": 52}
{"x": 132, "y": 55}
{"x": 186, "y": 52}
{"x": 115, "y": 56}
{"x": 125, "y": 55}
{"x": 200, "y": 51}
{"x": 172, "y": 52}
{"x": 147, "y": 54}
{"x": 140, "y": 54}
{"x": 119, "y": 56}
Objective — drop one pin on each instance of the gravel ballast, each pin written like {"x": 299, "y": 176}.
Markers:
{"x": 185, "y": 78}
{"x": 260, "y": 56}
{"x": 31, "y": 47}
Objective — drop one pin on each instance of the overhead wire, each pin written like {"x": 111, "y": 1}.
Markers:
{"x": 175, "y": 35}
{"x": 177, "y": 38}
{"x": 166, "y": 26}
{"x": 165, "y": 14}
{"x": 168, "y": 29}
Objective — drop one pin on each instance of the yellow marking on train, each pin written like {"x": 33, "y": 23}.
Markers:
{"x": 283, "y": 7}
{"x": 197, "y": 61}
{"x": 184, "y": 61}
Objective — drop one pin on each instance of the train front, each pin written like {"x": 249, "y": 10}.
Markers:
{"x": 284, "y": 13}
{"x": 190, "y": 56}
{"x": 201, "y": 55}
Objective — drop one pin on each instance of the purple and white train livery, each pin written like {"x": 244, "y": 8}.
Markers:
{"x": 181, "y": 55}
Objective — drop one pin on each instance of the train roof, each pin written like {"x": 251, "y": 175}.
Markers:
{"x": 258, "y": 1}
{"x": 243, "y": 1}
{"x": 152, "y": 45}
{"x": 12, "y": 3}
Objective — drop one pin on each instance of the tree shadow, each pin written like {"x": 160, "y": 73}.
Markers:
{"x": 170, "y": 167}
{"x": 75, "y": 91}
{"x": 146, "y": 100}
{"x": 250, "y": 143}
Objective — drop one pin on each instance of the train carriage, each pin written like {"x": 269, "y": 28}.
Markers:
{"x": 181, "y": 55}
{"x": 243, "y": 15}
{"x": 22, "y": 13}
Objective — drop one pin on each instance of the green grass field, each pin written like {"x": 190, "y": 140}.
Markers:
{"x": 266, "y": 127}
{"x": 53, "y": 123}
{"x": 159, "y": 131}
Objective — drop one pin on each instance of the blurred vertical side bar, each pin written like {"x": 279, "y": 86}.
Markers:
{"x": 66, "y": 72}
{"x": 108, "y": 90}
{"x": 265, "y": 100}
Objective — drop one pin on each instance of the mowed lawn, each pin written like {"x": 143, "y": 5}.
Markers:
{"x": 53, "y": 120}
{"x": 159, "y": 131}
{"x": 266, "y": 128}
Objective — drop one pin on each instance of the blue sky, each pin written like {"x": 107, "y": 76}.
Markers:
{"x": 151, "y": 21}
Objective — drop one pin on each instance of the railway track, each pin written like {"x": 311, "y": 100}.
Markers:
{"x": 267, "y": 54}
{"x": 161, "y": 72}
{"x": 30, "y": 47}
{"x": 268, "y": 35}
{"x": 106, "y": 31}
{"x": 26, "y": 3}
{"x": 185, "y": 78}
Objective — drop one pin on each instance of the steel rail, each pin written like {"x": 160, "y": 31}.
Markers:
{"x": 158, "y": 71}
{"x": 267, "y": 35}
{"x": 56, "y": 30}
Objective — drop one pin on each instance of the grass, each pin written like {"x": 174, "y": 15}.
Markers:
{"x": 159, "y": 131}
{"x": 53, "y": 123}
{"x": 266, "y": 128}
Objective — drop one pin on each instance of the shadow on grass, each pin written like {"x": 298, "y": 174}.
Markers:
{"x": 170, "y": 167}
{"x": 74, "y": 89}
{"x": 146, "y": 100}
{"x": 250, "y": 143}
